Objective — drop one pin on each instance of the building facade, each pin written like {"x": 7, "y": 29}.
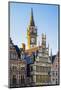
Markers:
{"x": 55, "y": 70}
{"x": 41, "y": 68}
{"x": 17, "y": 67}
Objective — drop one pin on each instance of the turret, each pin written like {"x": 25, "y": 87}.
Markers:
{"x": 43, "y": 40}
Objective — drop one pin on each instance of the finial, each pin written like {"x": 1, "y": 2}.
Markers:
{"x": 48, "y": 45}
{"x": 48, "y": 48}
{"x": 45, "y": 34}
{"x": 51, "y": 52}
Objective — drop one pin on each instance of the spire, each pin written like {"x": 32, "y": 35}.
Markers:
{"x": 43, "y": 40}
{"x": 48, "y": 48}
{"x": 51, "y": 55}
{"x": 51, "y": 52}
{"x": 32, "y": 19}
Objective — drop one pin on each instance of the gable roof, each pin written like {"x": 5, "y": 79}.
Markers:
{"x": 17, "y": 50}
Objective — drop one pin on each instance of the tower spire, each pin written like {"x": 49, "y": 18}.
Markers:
{"x": 32, "y": 32}
{"x": 32, "y": 18}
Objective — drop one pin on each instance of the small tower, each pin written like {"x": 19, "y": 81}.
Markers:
{"x": 32, "y": 32}
{"x": 51, "y": 55}
{"x": 43, "y": 41}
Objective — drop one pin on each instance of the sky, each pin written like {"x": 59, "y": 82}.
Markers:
{"x": 45, "y": 18}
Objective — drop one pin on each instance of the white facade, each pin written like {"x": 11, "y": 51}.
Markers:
{"x": 41, "y": 69}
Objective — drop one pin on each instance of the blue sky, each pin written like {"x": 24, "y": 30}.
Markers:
{"x": 46, "y": 21}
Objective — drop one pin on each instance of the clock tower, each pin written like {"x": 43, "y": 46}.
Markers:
{"x": 32, "y": 32}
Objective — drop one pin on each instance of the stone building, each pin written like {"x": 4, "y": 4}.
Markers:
{"x": 55, "y": 70}
{"x": 17, "y": 67}
{"x": 41, "y": 68}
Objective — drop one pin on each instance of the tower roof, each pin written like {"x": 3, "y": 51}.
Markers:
{"x": 32, "y": 19}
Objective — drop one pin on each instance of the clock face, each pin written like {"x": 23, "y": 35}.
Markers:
{"x": 32, "y": 40}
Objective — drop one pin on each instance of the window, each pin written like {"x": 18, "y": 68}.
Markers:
{"x": 41, "y": 78}
{"x": 37, "y": 68}
{"x": 56, "y": 81}
{"x": 53, "y": 79}
{"x": 56, "y": 65}
{"x": 13, "y": 56}
{"x": 56, "y": 73}
{"x": 14, "y": 81}
{"x": 22, "y": 68}
{"x": 22, "y": 79}
{"x": 53, "y": 73}
{"x": 14, "y": 68}
{"x": 31, "y": 78}
{"x": 37, "y": 78}
{"x": 31, "y": 68}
